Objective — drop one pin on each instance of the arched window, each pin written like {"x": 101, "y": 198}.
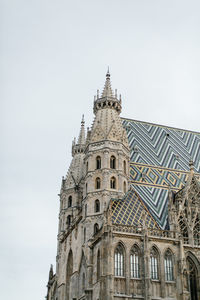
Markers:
{"x": 98, "y": 183}
{"x": 68, "y": 220}
{"x": 196, "y": 232}
{"x": 193, "y": 279}
{"x": 119, "y": 261}
{"x": 113, "y": 183}
{"x": 97, "y": 206}
{"x": 69, "y": 264}
{"x": 135, "y": 262}
{"x": 98, "y": 265}
{"x": 98, "y": 162}
{"x": 169, "y": 268}
{"x": 70, "y": 201}
{"x": 154, "y": 263}
{"x": 124, "y": 165}
{"x": 113, "y": 162}
{"x": 96, "y": 228}
{"x": 69, "y": 273}
{"x": 124, "y": 187}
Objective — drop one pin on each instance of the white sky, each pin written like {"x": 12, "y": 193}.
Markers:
{"x": 54, "y": 55}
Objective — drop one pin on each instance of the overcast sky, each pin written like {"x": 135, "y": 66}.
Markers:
{"x": 54, "y": 55}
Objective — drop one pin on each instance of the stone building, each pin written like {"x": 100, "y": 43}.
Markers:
{"x": 129, "y": 220}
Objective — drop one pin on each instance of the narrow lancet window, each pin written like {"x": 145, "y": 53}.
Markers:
{"x": 97, "y": 183}
{"x": 97, "y": 206}
{"x": 135, "y": 262}
{"x": 119, "y": 261}
{"x": 154, "y": 264}
{"x": 169, "y": 273}
{"x": 113, "y": 162}
{"x": 98, "y": 162}
{"x": 113, "y": 183}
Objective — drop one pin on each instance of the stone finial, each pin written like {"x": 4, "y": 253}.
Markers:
{"x": 107, "y": 91}
{"x": 51, "y": 272}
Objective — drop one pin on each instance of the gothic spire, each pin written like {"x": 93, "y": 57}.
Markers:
{"x": 81, "y": 139}
{"x": 107, "y": 91}
{"x": 51, "y": 272}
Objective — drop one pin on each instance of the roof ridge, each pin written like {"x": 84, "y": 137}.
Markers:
{"x": 160, "y": 125}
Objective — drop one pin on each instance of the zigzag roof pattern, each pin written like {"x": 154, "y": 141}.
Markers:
{"x": 160, "y": 158}
{"x": 163, "y": 146}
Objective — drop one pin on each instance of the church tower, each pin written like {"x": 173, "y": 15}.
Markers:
{"x": 128, "y": 229}
{"x": 107, "y": 156}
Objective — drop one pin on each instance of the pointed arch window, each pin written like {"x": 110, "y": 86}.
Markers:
{"x": 113, "y": 162}
{"x": 69, "y": 264}
{"x": 98, "y": 183}
{"x": 119, "y": 261}
{"x": 98, "y": 162}
{"x": 124, "y": 186}
{"x": 135, "y": 262}
{"x": 96, "y": 228}
{"x": 113, "y": 183}
{"x": 193, "y": 279}
{"x": 70, "y": 201}
{"x": 169, "y": 268}
{"x": 98, "y": 264}
{"x": 154, "y": 264}
{"x": 124, "y": 166}
{"x": 97, "y": 206}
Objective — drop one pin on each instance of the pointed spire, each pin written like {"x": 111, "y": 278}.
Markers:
{"x": 107, "y": 91}
{"x": 51, "y": 272}
{"x": 81, "y": 139}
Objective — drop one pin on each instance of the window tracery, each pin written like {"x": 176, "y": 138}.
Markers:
{"x": 135, "y": 262}
{"x": 154, "y": 264}
{"x": 119, "y": 261}
{"x": 113, "y": 183}
{"x": 113, "y": 162}
{"x": 169, "y": 268}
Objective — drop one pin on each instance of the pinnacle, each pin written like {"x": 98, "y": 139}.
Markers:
{"x": 81, "y": 139}
{"x": 107, "y": 91}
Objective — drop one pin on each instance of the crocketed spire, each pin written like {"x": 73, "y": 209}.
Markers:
{"x": 107, "y": 91}
{"x": 81, "y": 139}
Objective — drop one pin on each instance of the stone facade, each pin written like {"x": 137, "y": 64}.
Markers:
{"x": 107, "y": 249}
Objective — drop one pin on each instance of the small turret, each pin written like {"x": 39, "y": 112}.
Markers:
{"x": 79, "y": 147}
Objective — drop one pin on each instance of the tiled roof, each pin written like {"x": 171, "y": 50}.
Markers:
{"x": 131, "y": 211}
{"x": 160, "y": 158}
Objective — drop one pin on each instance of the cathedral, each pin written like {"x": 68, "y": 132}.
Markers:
{"x": 129, "y": 219}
